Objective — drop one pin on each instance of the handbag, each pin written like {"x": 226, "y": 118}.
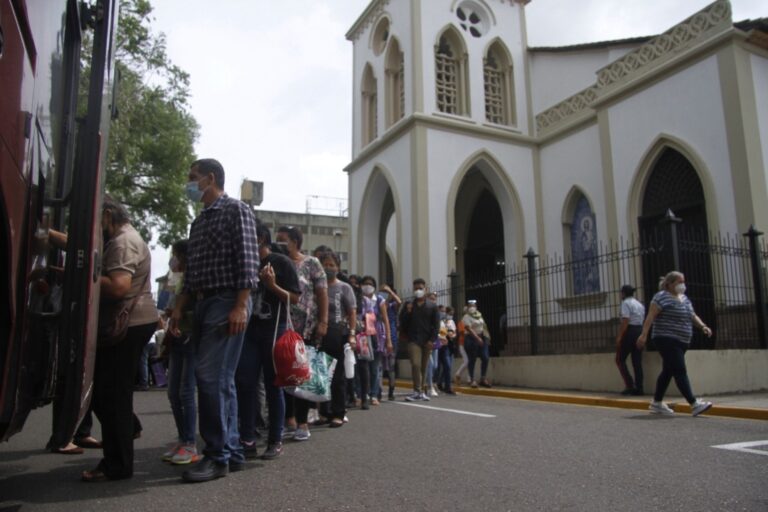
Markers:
{"x": 318, "y": 387}
{"x": 114, "y": 318}
{"x": 289, "y": 355}
{"x": 370, "y": 323}
{"x": 364, "y": 348}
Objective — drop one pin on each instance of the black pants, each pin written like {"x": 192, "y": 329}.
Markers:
{"x": 113, "y": 399}
{"x": 672, "y": 353}
{"x": 628, "y": 346}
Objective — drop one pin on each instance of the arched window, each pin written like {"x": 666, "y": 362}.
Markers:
{"x": 369, "y": 107}
{"x": 581, "y": 242}
{"x": 451, "y": 84}
{"x": 395, "y": 83}
{"x": 499, "y": 86}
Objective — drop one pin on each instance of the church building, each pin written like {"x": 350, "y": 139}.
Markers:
{"x": 470, "y": 147}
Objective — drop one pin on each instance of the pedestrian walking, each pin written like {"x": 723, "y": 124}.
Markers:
{"x": 477, "y": 343}
{"x": 420, "y": 323}
{"x": 632, "y": 316}
{"x": 222, "y": 270}
{"x": 672, "y": 317}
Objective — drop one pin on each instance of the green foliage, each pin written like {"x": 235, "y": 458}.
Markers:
{"x": 151, "y": 141}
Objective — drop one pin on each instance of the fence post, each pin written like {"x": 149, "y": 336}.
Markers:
{"x": 533, "y": 300}
{"x": 672, "y": 221}
{"x": 758, "y": 282}
{"x": 454, "y": 283}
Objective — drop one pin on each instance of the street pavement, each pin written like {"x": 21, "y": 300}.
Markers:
{"x": 468, "y": 452}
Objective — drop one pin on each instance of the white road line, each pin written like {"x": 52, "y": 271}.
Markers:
{"x": 455, "y": 411}
{"x": 744, "y": 447}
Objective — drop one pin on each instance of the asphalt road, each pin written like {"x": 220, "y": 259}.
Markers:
{"x": 504, "y": 455}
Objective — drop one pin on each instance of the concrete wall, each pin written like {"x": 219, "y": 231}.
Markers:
{"x": 760, "y": 77}
{"x": 711, "y": 372}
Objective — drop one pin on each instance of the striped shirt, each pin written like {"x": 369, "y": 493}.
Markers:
{"x": 633, "y": 310}
{"x": 675, "y": 320}
{"x": 223, "y": 252}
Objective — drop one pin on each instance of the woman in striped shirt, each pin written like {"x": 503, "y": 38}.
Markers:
{"x": 672, "y": 316}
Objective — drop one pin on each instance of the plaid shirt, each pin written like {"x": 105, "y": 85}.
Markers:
{"x": 223, "y": 251}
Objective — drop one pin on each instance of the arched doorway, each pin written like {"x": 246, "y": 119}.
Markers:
{"x": 674, "y": 185}
{"x": 378, "y": 235}
{"x": 480, "y": 252}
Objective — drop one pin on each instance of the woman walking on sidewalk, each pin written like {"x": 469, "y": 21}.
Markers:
{"x": 672, "y": 317}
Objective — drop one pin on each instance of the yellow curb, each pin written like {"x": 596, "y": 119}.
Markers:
{"x": 595, "y": 401}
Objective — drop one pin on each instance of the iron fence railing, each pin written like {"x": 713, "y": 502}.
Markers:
{"x": 533, "y": 307}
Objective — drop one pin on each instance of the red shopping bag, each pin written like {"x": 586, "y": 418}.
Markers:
{"x": 289, "y": 357}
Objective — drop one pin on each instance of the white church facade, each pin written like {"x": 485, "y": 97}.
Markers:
{"x": 470, "y": 147}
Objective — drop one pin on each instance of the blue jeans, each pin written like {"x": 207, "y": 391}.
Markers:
{"x": 217, "y": 358}
{"x": 444, "y": 359}
{"x": 181, "y": 388}
{"x": 474, "y": 350}
{"x": 255, "y": 360}
{"x": 375, "y": 374}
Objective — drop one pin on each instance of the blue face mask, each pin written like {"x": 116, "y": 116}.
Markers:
{"x": 193, "y": 192}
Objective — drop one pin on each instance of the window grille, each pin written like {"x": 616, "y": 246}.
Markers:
{"x": 447, "y": 80}
{"x": 495, "y": 109}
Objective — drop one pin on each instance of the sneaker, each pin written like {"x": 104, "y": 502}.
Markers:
{"x": 172, "y": 449}
{"x": 186, "y": 454}
{"x": 473, "y": 384}
{"x": 302, "y": 434}
{"x": 433, "y": 391}
{"x": 413, "y": 397}
{"x": 423, "y": 397}
{"x": 288, "y": 432}
{"x": 660, "y": 408}
{"x": 391, "y": 395}
{"x": 274, "y": 450}
{"x": 249, "y": 449}
{"x": 485, "y": 383}
{"x": 346, "y": 419}
{"x": 700, "y": 406}
{"x": 374, "y": 401}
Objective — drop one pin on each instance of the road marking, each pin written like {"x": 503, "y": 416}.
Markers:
{"x": 455, "y": 411}
{"x": 744, "y": 447}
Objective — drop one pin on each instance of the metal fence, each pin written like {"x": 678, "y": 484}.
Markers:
{"x": 534, "y": 308}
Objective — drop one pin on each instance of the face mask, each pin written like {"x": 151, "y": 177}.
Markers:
{"x": 193, "y": 192}
{"x": 419, "y": 294}
{"x": 174, "y": 264}
{"x": 282, "y": 246}
{"x": 680, "y": 288}
{"x": 330, "y": 274}
{"x": 472, "y": 310}
{"x": 368, "y": 289}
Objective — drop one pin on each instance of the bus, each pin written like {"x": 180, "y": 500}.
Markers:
{"x": 53, "y": 142}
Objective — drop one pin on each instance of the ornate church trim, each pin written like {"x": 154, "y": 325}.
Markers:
{"x": 700, "y": 27}
{"x": 371, "y": 14}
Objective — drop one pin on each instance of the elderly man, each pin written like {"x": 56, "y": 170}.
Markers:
{"x": 222, "y": 269}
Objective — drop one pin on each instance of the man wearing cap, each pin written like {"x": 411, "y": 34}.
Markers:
{"x": 632, "y": 316}
{"x": 222, "y": 269}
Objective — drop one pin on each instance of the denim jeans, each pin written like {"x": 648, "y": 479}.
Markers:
{"x": 444, "y": 359}
{"x": 181, "y": 388}
{"x": 217, "y": 358}
{"x": 256, "y": 360}
{"x": 474, "y": 350}
{"x": 374, "y": 370}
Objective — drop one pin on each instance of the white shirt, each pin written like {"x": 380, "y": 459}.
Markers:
{"x": 632, "y": 309}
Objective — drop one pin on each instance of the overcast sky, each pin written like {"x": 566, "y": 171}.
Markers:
{"x": 271, "y": 80}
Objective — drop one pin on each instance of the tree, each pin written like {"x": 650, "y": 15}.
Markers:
{"x": 151, "y": 141}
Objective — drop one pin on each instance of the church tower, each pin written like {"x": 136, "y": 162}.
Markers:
{"x": 429, "y": 75}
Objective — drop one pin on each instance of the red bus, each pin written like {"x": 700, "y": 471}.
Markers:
{"x": 51, "y": 155}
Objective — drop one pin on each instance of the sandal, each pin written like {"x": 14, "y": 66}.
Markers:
{"x": 70, "y": 449}
{"x": 88, "y": 442}
{"x": 94, "y": 475}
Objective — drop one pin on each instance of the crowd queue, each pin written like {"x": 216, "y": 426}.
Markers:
{"x": 241, "y": 286}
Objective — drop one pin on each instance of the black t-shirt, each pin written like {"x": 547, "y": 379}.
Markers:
{"x": 286, "y": 278}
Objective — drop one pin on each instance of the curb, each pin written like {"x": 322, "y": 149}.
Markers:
{"x": 596, "y": 401}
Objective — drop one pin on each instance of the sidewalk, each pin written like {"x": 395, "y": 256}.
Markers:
{"x": 753, "y": 406}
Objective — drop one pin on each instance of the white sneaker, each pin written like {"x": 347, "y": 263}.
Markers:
{"x": 413, "y": 397}
{"x": 700, "y": 406}
{"x": 302, "y": 434}
{"x": 423, "y": 397}
{"x": 172, "y": 449}
{"x": 433, "y": 391}
{"x": 660, "y": 408}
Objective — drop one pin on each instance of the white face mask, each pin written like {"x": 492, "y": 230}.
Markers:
{"x": 419, "y": 294}
{"x": 680, "y": 288}
{"x": 368, "y": 289}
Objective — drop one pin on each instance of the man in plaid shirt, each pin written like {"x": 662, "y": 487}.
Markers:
{"x": 222, "y": 269}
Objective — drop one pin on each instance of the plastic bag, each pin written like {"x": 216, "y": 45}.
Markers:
{"x": 318, "y": 387}
{"x": 289, "y": 356}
